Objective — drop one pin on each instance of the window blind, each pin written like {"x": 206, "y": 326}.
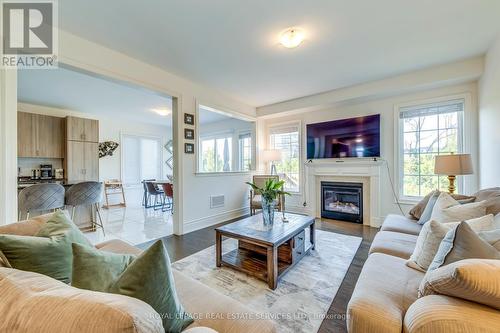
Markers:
{"x": 432, "y": 109}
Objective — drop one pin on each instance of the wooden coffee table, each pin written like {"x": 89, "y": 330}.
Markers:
{"x": 266, "y": 252}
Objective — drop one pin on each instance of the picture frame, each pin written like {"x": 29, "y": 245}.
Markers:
{"x": 189, "y": 148}
{"x": 188, "y": 119}
{"x": 189, "y": 134}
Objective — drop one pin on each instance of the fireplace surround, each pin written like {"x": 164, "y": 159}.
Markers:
{"x": 342, "y": 201}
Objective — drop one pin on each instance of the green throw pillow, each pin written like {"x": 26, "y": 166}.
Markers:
{"x": 147, "y": 277}
{"x": 50, "y": 254}
{"x": 59, "y": 224}
{"x": 97, "y": 270}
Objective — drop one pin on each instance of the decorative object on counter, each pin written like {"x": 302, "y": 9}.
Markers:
{"x": 39, "y": 198}
{"x": 189, "y": 148}
{"x": 188, "y": 119}
{"x": 87, "y": 194}
{"x": 112, "y": 187}
{"x": 453, "y": 165}
{"x": 169, "y": 146}
{"x": 107, "y": 148}
{"x": 269, "y": 192}
{"x": 189, "y": 134}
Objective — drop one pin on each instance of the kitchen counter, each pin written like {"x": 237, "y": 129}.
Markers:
{"x": 26, "y": 183}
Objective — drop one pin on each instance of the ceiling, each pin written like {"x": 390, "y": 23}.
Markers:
{"x": 232, "y": 45}
{"x": 67, "y": 89}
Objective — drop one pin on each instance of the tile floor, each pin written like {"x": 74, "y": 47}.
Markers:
{"x": 133, "y": 224}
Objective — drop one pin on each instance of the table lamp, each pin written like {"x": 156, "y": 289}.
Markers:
{"x": 453, "y": 165}
{"x": 271, "y": 155}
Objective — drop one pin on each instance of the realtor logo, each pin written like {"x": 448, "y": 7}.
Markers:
{"x": 29, "y": 34}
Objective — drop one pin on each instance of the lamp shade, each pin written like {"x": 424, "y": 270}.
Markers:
{"x": 270, "y": 155}
{"x": 455, "y": 164}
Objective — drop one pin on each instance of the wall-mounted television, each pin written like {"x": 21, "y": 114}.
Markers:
{"x": 353, "y": 137}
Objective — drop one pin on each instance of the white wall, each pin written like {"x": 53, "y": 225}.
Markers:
{"x": 385, "y": 107}
{"x": 489, "y": 118}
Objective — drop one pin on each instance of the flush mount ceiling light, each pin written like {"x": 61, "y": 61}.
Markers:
{"x": 162, "y": 112}
{"x": 292, "y": 37}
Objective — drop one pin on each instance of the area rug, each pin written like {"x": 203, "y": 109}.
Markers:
{"x": 304, "y": 294}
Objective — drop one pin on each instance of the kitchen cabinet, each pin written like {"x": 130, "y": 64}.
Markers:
{"x": 39, "y": 136}
{"x": 82, "y": 161}
{"x": 82, "y": 129}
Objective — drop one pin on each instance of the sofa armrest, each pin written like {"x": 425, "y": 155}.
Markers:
{"x": 439, "y": 313}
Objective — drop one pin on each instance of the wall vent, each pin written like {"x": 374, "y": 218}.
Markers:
{"x": 217, "y": 201}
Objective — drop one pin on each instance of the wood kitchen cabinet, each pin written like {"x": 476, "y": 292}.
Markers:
{"x": 39, "y": 136}
{"x": 82, "y": 129}
{"x": 82, "y": 161}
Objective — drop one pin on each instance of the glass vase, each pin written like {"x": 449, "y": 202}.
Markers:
{"x": 268, "y": 207}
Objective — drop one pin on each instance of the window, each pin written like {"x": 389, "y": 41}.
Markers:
{"x": 245, "y": 151}
{"x": 216, "y": 154}
{"x": 141, "y": 158}
{"x": 424, "y": 132}
{"x": 287, "y": 140}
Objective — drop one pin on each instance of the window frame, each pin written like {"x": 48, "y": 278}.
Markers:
{"x": 122, "y": 155}
{"x": 215, "y": 137}
{"x": 465, "y": 127}
{"x": 231, "y": 113}
{"x": 241, "y": 136}
{"x": 283, "y": 125}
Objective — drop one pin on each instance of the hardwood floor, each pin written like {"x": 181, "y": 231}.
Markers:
{"x": 183, "y": 246}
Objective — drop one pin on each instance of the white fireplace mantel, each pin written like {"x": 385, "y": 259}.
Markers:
{"x": 362, "y": 171}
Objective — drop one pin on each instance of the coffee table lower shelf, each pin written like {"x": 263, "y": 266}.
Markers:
{"x": 254, "y": 264}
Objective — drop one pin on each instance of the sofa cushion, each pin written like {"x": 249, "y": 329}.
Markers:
{"x": 443, "y": 314}
{"x": 25, "y": 228}
{"x": 33, "y": 302}
{"x": 394, "y": 243}
{"x": 385, "y": 289}
{"x": 400, "y": 223}
{"x": 418, "y": 209}
{"x": 471, "y": 279}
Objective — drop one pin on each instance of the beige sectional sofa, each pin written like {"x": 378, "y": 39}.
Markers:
{"x": 385, "y": 297}
{"x": 62, "y": 308}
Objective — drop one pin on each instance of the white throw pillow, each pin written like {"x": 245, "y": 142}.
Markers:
{"x": 429, "y": 238}
{"x": 446, "y": 209}
{"x": 433, "y": 232}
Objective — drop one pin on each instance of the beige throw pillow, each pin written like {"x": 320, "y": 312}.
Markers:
{"x": 471, "y": 279}
{"x": 462, "y": 242}
{"x": 429, "y": 238}
{"x": 448, "y": 209}
{"x": 431, "y": 235}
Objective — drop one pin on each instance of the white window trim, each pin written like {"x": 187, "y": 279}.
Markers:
{"x": 215, "y": 137}
{"x": 286, "y": 124}
{"x": 252, "y": 156}
{"x": 468, "y": 144}
{"x": 140, "y": 135}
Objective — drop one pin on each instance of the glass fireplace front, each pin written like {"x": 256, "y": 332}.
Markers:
{"x": 342, "y": 201}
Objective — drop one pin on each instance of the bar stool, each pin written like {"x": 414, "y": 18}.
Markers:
{"x": 39, "y": 198}
{"x": 87, "y": 194}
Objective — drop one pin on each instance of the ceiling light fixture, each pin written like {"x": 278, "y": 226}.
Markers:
{"x": 162, "y": 112}
{"x": 292, "y": 37}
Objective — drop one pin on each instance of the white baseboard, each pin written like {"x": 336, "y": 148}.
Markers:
{"x": 211, "y": 220}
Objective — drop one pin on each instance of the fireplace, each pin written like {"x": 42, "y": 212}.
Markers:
{"x": 342, "y": 201}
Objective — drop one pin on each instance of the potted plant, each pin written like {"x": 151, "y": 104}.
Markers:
{"x": 269, "y": 193}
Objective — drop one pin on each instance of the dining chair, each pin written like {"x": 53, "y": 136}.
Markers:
{"x": 153, "y": 191}
{"x": 40, "y": 198}
{"x": 168, "y": 199}
{"x": 87, "y": 194}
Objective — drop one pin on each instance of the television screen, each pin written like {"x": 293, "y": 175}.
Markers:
{"x": 354, "y": 137}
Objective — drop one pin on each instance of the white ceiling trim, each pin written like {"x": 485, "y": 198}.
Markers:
{"x": 433, "y": 77}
